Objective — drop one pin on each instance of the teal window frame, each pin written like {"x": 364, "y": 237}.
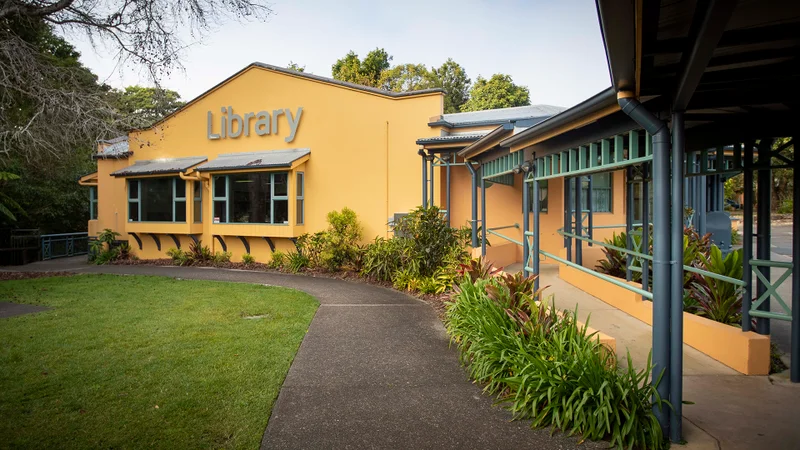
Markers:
{"x": 300, "y": 196}
{"x": 543, "y": 195}
{"x": 93, "y": 205}
{"x": 227, "y": 200}
{"x": 175, "y": 201}
{"x": 197, "y": 199}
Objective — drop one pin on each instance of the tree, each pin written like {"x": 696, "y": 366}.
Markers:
{"x": 497, "y": 92}
{"x": 296, "y": 67}
{"x": 453, "y": 79}
{"x": 367, "y": 72}
{"x": 48, "y": 101}
{"x": 143, "y": 106}
{"x": 406, "y": 77}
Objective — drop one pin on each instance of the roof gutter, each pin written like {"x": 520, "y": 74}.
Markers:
{"x": 593, "y": 104}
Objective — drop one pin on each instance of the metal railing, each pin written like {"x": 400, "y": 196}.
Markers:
{"x": 494, "y": 232}
{"x": 771, "y": 289}
{"x": 64, "y": 244}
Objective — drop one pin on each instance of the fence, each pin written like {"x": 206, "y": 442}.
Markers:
{"x": 64, "y": 244}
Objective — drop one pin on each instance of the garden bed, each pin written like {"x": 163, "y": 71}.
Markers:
{"x": 745, "y": 352}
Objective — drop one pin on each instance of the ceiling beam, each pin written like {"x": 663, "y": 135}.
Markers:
{"x": 711, "y": 18}
{"x": 753, "y": 57}
{"x": 732, "y": 38}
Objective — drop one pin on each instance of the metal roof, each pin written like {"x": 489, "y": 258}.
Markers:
{"x": 255, "y": 160}
{"x": 496, "y": 116}
{"x": 453, "y": 138}
{"x": 158, "y": 166}
{"x": 117, "y": 148}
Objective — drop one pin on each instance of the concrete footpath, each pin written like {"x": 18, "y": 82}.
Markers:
{"x": 374, "y": 371}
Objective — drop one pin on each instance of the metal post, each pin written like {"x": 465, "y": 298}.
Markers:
{"x": 590, "y": 208}
{"x": 474, "y": 222}
{"x": 629, "y": 220}
{"x": 431, "y": 193}
{"x": 483, "y": 215}
{"x": 450, "y": 158}
{"x": 578, "y": 224}
{"x": 424, "y": 180}
{"x": 747, "y": 236}
{"x": 646, "y": 173}
{"x": 764, "y": 210}
{"x": 567, "y": 217}
{"x": 526, "y": 221}
{"x": 676, "y": 291}
{"x": 536, "y": 209}
{"x": 794, "y": 373}
{"x": 702, "y": 206}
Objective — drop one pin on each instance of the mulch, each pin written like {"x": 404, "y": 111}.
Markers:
{"x": 4, "y": 275}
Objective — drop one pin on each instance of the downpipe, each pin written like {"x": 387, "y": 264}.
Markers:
{"x": 661, "y": 246}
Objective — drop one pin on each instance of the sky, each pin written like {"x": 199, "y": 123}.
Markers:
{"x": 553, "y": 47}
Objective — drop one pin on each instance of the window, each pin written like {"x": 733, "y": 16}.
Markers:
{"x": 602, "y": 192}
{"x": 542, "y": 195}
{"x": 300, "y": 198}
{"x": 92, "y": 202}
{"x": 252, "y": 198}
{"x": 157, "y": 200}
{"x": 197, "y": 192}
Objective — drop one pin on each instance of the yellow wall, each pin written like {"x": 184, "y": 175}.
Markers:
{"x": 362, "y": 156}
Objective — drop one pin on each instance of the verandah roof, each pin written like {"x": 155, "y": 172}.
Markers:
{"x": 255, "y": 160}
{"x": 160, "y": 166}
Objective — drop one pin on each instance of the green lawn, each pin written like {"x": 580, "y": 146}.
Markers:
{"x": 125, "y": 361}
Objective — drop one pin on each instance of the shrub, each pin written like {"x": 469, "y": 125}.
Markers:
{"x": 544, "y": 366}
{"x": 616, "y": 262}
{"x": 430, "y": 238}
{"x": 476, "y": 269}
{"x": 714, "y": 299}
{"x": 179, "y": 257}
{"x": 405, "y": 280}
{"x": 313, "y": 246}
{"x": 199, "y": 252}
{"x": 278, "y": 260}
{"x": 248, "y": 259}
{"x": 786, "y": 207}
{"x": 222, "y": 257}
{"x": 295, "y": 262}
{"x": 101, "y": 250}
{"x": 344, "y": 232}
{"x": 383, "y": 257}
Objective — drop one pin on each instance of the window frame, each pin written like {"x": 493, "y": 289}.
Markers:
{"x": 197, "y": 201}
{"x": 542, "y": 205}
{"x": 94, "y": 207}
{"x": 138, "y": 200}
{"x": 300, "y": 198}
{"x": 227, "y": 198}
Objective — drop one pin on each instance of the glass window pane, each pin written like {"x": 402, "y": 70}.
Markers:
{"x": 198, "y": 211}
{"x": 219, "y": 186}
{"x": 300, "y": 184}
{"x": 281, "y": 210}
{"x": 249, "y": 197}
{"x": 133, "y": 189}
{"x": 180, "y": 211}
{"x": 281, "y": 184}
{"x": 156, "y": 200}
{"x": 220, "y": 213}
{"x": 542, "y": 195}
{"x": 133, "y": 211}
{"x": 198, "y": 190}
{"x": 300, "y": 211}
{"x": 180, "y": 188}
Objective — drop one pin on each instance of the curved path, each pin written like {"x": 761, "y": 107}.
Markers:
{"x": 374, "y": 371}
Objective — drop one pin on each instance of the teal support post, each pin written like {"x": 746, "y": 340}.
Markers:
{"x": 568, "y": 216}
{"x": 474, "y": 191}
{"x": 526, "y": 221}
{"x": 794, "y": 373}
{"x": 661, "y": 249}
{"x": 676, "y": 291}
{"x": 534, "y": 255}
{"x": 424, "y": 179}
{"x": 764, "y": 231}
{"x": 483, "y": 214}
{"x": 590, "y": 208}
{"x": 629, "y": 221}
{"x": 578, "y": 219}
{"x": 450, "y": 158}
{"x": 432, "y": 201}
{"x": 747, "y": 236}
{"x": 646, "y": 173}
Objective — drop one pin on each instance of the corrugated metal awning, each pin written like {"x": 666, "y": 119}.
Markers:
{"x": 160, "y": 166}
{"x": 255, "y": 160}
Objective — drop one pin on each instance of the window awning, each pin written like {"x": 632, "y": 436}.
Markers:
{"x": 160, "y": 166}
{"x": 255, "y": 160}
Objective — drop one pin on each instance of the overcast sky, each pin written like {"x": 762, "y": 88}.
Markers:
{"x": 553, "y": 47}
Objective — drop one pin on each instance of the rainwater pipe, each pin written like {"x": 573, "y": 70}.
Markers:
{"x": 661, "y": 255}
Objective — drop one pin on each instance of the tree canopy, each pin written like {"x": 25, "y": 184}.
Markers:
{"x": 367, "y": 72}
{"x": 451, "y": 77}
{"x": 496, "y": 92}
{"x": 142, "y": 106}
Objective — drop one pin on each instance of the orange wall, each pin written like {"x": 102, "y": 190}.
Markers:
{"x": 362, "y": 155}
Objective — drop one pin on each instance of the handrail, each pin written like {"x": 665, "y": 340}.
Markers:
{"x": 516, "y": 225}
{"x": 715, "y": 275}
{"x": 615, "y": 281}
{"x": 505, "y": 237}
{"x": 82, "y": 233}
